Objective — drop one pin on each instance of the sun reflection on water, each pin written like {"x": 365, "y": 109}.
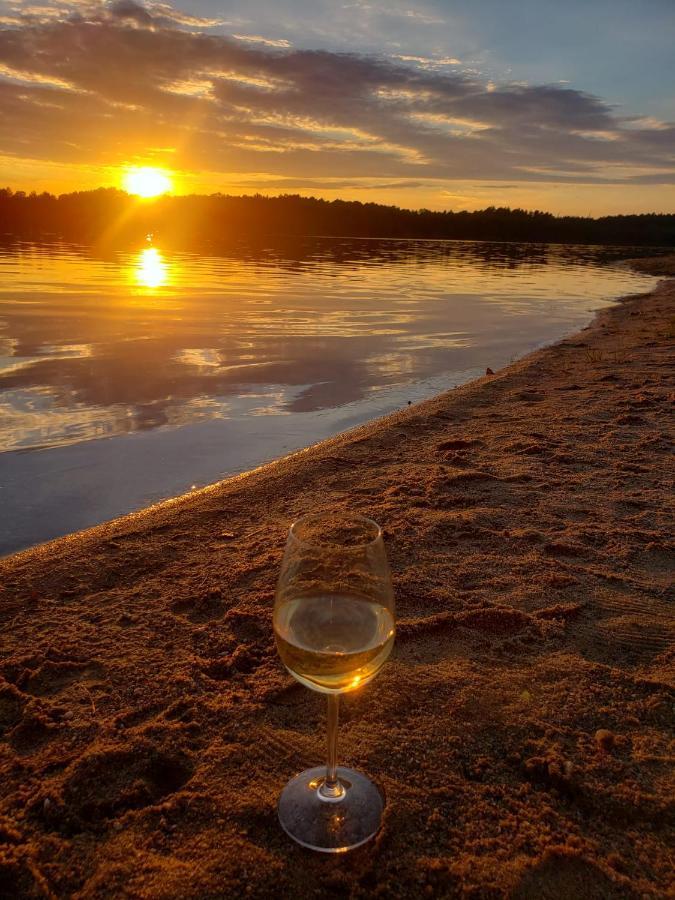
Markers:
{"x": 152, "y": 270}
{"x": 249, "y": 334}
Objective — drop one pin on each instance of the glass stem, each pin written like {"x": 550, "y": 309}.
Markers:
{"x": 331, "y": 789}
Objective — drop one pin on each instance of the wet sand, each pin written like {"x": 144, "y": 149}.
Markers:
{"x": 522, "y": 730}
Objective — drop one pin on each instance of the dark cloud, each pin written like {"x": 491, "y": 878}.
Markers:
{"x": 127, "y": 9}
{"x": 104, "y": 83}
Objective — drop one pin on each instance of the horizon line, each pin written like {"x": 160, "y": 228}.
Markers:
{"x": 258, "y": 195}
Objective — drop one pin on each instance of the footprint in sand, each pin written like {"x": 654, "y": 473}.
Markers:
{"x": 108, "y": 782}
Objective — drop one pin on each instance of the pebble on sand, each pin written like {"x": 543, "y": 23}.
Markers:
{"x": 604, "y": 739}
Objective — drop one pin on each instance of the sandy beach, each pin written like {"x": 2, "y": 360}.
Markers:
{"x": 522, "y": 730}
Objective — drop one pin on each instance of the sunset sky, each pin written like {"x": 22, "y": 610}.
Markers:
{"x": 452, "y": 104}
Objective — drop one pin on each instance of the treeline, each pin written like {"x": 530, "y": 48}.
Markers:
{"x": 111, "y": 215}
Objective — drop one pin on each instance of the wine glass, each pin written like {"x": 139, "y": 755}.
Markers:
{"x": 334, "y": 628}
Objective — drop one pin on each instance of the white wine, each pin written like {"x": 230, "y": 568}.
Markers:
{"x": 333, "y": 643}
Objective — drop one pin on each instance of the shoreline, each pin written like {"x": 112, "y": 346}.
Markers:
{"x": 122, "y": 448}
{"x": 657, "y": 266}
{"x": 520, "y": 730}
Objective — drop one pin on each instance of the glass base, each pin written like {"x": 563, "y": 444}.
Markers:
{"x": 330, "y": 825}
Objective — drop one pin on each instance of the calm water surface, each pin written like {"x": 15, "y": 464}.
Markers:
{"x": 131, "y": 378}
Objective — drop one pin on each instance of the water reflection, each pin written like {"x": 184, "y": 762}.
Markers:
{"x": 268, "y": 330}
{"x": 151, "y": 270}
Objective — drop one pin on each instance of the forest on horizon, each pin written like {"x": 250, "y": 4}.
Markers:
{"x": 111, "y": 215}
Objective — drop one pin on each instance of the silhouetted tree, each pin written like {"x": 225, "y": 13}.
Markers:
{"x": 110, "y": 215}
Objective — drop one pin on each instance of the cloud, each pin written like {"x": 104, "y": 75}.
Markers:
{"x": 127, "y": 9}
{"x": 289, "y": 185}
{"x": 102, "y": 84}
{"x": 430, "y": 62}
{"x": 258, "y": 39}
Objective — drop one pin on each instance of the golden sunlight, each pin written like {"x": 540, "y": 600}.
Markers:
{"x": 151, "y": 268}
{"x": 146, "y": 181}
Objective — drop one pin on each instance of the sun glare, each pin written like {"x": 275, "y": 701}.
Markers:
{"x": 147, "y": 182}
{"x": 151, "y": 269}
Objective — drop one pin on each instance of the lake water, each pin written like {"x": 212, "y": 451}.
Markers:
{"x": 141, "y": 375}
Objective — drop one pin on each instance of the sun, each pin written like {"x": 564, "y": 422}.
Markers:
{"x": 144, "y": 181}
